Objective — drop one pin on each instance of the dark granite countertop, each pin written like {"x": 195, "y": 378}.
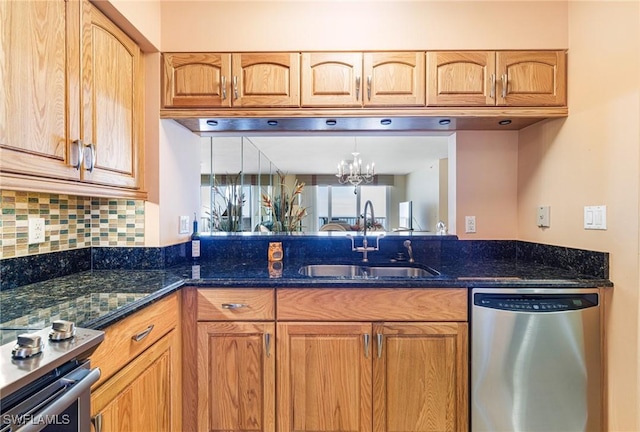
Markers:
{"x": 92, "y": 299}
{"x": 98, "y": 298}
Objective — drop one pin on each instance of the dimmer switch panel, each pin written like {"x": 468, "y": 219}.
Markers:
{"x": 595, "y": 217}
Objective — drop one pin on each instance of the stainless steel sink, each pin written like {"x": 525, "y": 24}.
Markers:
{"x": 363, "y": 272}
{"x": 328, "y": 270}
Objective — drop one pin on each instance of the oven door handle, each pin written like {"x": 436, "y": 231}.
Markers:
{"x": 61, "y": 403}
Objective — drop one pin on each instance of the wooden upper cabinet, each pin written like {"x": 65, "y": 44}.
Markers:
{"x": 39, "y": 88}
{"x": 112, "y": 103}
{"x": 331, "y": 79}
{"x": 219, "y": 80}
{"x": 394, "y": 78}
{"x": 531, "y": 78}
{"x": 196, "y": 80}
{"x": 71, "y": 101}
{"x": 354, "y": 79}
{"x": 460, "y": 78}
{"x": 503, "y": 78}
{"x": 265, "y": 79}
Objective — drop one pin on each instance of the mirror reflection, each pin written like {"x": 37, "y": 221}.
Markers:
{"x": 321, "y": 182}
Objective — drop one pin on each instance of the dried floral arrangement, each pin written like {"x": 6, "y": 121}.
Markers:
{"x": 286, "y": 214}
{"x": 228, "y": 217}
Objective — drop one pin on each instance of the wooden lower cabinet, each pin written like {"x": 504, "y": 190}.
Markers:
{"x": 236, "y": 376}
{"x": 141, "y": 397}
{"x": 420, "y": 377}
{"x": 342, "y": 360}
{"x": 372, "y": 376}
{"x": 324, "y": 377}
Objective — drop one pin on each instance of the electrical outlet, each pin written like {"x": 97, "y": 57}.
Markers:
{"x": 36, "y": 230}
{"x": 469, "y": 224}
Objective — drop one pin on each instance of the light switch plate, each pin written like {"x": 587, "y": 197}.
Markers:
{"x": 595, "y": 217}
{"x": 183, "y": 225}
{"x": 36, "y": 230}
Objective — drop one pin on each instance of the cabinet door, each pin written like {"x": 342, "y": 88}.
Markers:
{"x": 324, "y": 377}
{"x": 420, "y": 377}
{"x": 111, "y": 110}
{"x": 142, "y": 396}
{"x": 394, "y": 78}
{"x": 266, "y": 80}
{"x": 39, "y": 88}
{"x": 332, "y": 79}
{"x": 196, "y": 80}
{"x": 236, "y": 377}
{"x": 465, "y": 78}
{"x": 532, "y": 78}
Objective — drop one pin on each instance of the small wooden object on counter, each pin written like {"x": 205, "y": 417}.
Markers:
{"x": 275, "y": 251}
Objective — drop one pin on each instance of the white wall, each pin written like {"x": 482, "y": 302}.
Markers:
{"x": 592, "y": 158}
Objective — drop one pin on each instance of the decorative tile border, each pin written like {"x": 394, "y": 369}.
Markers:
{"x": 71, "y": 222}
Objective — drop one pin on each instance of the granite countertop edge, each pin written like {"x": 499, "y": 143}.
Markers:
{"x": 174, "y": 279}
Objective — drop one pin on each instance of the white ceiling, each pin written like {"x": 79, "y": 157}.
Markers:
{"x": 320, "y": 154}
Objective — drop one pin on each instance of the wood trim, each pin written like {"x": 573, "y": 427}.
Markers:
{"x": 189, "y": 366}
{"x": 28, "y": 183}
{"x": 372, "y": 304}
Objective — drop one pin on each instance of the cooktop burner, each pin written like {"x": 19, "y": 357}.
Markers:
{"x": 32, "y": 354}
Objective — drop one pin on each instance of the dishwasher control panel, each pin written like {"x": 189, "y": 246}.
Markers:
{"x": 535, "y": 303}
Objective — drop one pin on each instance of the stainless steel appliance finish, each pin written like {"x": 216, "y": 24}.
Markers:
{"x": 536, "y": 360}
{"x": 45, "y": 379}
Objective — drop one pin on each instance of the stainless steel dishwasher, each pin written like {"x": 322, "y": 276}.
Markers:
{"x": 536, "y": 360}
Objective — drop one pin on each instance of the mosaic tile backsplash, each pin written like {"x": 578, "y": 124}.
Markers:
{"x": 71, "y": 222}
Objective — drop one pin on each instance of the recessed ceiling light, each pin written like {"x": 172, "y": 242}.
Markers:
{"x": 331, "y": 122}
{"x": 272, "y": 122}
{"x": 504, "y": 122}
{"x": 212, "y": 122}
{"x": 385, "y": 122}
{"x": 444, "y": 122}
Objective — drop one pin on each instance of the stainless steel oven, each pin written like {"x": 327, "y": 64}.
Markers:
{"x": 46, "y": 379}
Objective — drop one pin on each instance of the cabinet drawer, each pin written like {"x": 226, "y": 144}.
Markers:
{"x": 120, "y": 345}
{"x": 372, "y": 304}
{"x": 235, "y": 304}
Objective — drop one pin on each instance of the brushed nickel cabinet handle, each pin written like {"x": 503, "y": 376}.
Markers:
{"x": 143, "y": 334}
{"x": 492, "y": 92}
{"x": 233, "y": 305}
{"x": 97, "y": 422}
{"x": 93, "y": 156}
{"x": 267, "y": 343}
{"x": 358, "y": 88}
{"x": 380, "y": 340}
{"x": 235, "y": 87}
{"x": 504, "y": 85}
{"x": 224, "y": 87}
{"x": 369, "y": 87}
{"x": 367, "y": 340}
{"x": 80, "y": 148}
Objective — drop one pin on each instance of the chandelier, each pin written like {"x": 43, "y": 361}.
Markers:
{"x": 354, "y": 172}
